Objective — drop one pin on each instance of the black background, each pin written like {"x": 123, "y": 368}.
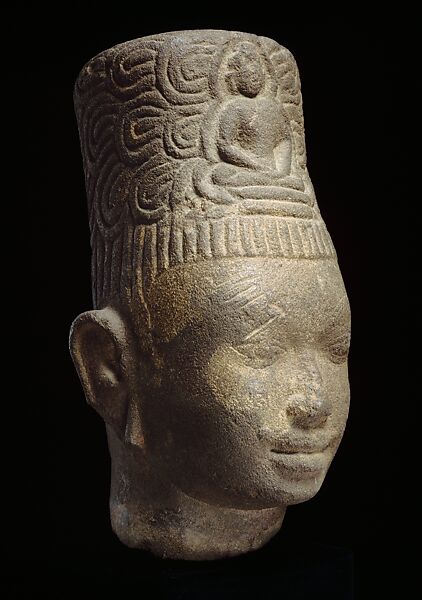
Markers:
{"x": 345, "y": 533}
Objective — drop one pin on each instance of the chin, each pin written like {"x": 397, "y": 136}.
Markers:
{"x": 275, "y": 490}
{"x": 297, "y": 491}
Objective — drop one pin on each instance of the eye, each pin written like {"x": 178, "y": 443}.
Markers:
{"x": 339, "y": 349}
{"x": 258, "y": 355}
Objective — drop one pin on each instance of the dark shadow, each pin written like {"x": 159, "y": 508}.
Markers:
{"x": 282, "y": 569}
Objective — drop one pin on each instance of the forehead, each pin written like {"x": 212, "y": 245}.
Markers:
{"x": 305, "y": 294}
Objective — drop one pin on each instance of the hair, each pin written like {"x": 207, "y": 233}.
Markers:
{"x": 145, "y": 111}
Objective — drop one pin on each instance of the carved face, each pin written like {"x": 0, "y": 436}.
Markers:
{"x": 246, "y": 73}
{"x": 250, "y": 395}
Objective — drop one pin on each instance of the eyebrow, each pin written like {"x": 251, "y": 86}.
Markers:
{"x": 261, "y": 328}
{"x": 246, "y": 292}
{"x": 341, "y": 309}
{"x": 237, "y": 292}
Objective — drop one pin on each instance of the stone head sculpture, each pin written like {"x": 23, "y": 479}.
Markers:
{"x": 216, "y": 352}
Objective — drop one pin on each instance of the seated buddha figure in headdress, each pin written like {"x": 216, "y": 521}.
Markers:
{"x": 252, "y": 141}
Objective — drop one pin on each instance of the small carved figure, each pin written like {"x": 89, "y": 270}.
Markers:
{"x": 253, "y": 131}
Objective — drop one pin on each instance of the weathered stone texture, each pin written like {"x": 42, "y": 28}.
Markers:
{"x": 217, "y": 348}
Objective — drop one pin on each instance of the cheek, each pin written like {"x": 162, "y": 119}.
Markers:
{"x": 240, "y": 391}
{"x": 201, "y": 422}
{"x": 216, "y": 407}
{"x": 337, "y": 390}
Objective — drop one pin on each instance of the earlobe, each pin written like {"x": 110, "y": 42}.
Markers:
{"x": 98, "y": 345}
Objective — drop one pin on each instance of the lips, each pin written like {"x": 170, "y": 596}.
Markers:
{"x": 300, "y": 465}
{"x": 307, "y": 460}
{"x": 305, "y": 449}
{"x": 294, "y": 441}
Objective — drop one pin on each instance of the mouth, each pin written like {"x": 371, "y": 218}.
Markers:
{"x": 301, "y": 450}
{"x": 300, "y": 465}
{"x": 302, "y": 462}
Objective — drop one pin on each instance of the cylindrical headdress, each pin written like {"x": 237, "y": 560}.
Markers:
{"x": 193, "y": 149}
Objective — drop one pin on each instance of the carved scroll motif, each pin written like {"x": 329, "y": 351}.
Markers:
{"x": 153, "y": 117}
{"x": 177, "y": 130}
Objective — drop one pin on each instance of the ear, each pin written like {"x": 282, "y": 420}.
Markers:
{"x": 99, "y": 347}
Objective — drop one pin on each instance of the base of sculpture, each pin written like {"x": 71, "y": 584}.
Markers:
{"x": 220, "y": 534}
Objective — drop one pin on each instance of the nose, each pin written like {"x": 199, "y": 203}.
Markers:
{"x": 307, "y": 411}
{"x": 307, "y": 406}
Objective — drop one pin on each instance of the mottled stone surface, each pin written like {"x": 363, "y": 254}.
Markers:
{"x": 216, "y": 352}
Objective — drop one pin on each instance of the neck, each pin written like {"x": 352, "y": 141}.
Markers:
{"x": 151, "y": 514}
